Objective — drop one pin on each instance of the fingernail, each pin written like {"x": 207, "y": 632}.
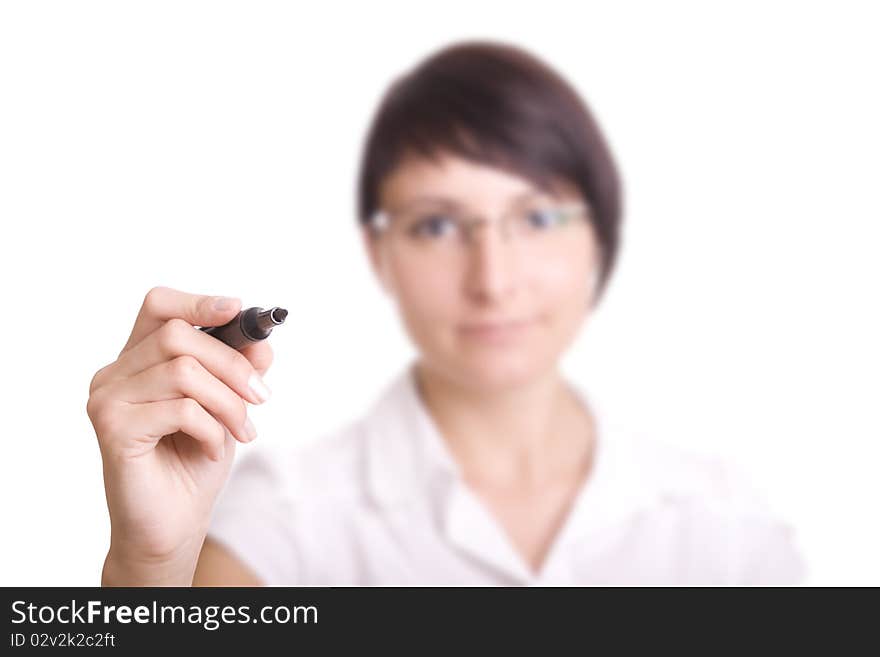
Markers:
{"x": 249, "y": 428}
{"x": 222, "y": 303}
{"x": 258, "y": 387}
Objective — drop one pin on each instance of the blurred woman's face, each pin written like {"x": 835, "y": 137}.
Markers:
{"x": 497, "y": 309}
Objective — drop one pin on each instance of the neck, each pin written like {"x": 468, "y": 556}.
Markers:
{"x": 531, "y": 433}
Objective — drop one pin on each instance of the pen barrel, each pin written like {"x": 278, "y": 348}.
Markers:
{"x": 247, "y": 327}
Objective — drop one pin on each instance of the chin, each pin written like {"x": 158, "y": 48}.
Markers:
{"x": 496, "y": 371}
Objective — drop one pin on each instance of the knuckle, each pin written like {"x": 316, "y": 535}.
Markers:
{"x": 177, "y": 325}
{"x": 104, "y": 420}
{"x": 93, "y": 407}
{"x": 95, "y": 383}
{"x": 189, "y": 411}
{"x": 171, "y": 336}
{"x": 151, "y": 296}
{"x": 183, "y": 368}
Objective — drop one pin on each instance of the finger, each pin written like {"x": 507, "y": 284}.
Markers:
{"x": 177, "y": 338}
{"x": 151, "y": 421}
{"x": 184, "y": 376}
{"x": 260, "y": 355}
{"x": 163, "y": 303}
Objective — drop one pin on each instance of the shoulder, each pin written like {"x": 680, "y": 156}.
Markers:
{"x": 689, "y": 476}
{"x": 652, "y": 469}
{"x": 717, "y": 505}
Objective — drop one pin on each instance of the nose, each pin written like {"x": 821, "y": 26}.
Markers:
{"x": 492, "y": 267}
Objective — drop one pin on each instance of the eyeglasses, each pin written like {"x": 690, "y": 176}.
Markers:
{"x": 539, "y": 227}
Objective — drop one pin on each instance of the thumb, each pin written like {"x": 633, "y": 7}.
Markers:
{"x": 213, "y": 310}
{"x": 162, "y": 303}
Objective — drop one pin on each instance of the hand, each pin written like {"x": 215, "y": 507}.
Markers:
{"x": 167, "y": 413}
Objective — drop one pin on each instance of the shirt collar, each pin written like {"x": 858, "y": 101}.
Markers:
{"x": 408, "y": 461}
{"x": 406, "y": 455}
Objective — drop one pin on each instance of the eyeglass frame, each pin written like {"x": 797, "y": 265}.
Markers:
{"x": 380, "y": 220}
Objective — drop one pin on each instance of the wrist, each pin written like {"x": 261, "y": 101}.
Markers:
{"x": 123, "y": 568}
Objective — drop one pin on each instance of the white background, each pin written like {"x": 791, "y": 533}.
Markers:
{"x": 213, "y": 147}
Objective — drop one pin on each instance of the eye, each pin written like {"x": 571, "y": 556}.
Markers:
{"x": 434, "y": 225}
{"x": 541, "y": 218}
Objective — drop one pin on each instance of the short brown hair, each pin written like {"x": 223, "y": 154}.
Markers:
{"x": 496, "y": 104}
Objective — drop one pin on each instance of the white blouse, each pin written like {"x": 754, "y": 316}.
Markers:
{"x": 382, "y": 502}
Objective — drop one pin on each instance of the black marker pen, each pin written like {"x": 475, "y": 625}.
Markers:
{"x": 248, "y": 326}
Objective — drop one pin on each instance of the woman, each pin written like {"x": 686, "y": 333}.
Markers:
{"x": 490, "y": 208}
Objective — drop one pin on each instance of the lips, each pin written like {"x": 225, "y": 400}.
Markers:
{"x": 495, "y": 331}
